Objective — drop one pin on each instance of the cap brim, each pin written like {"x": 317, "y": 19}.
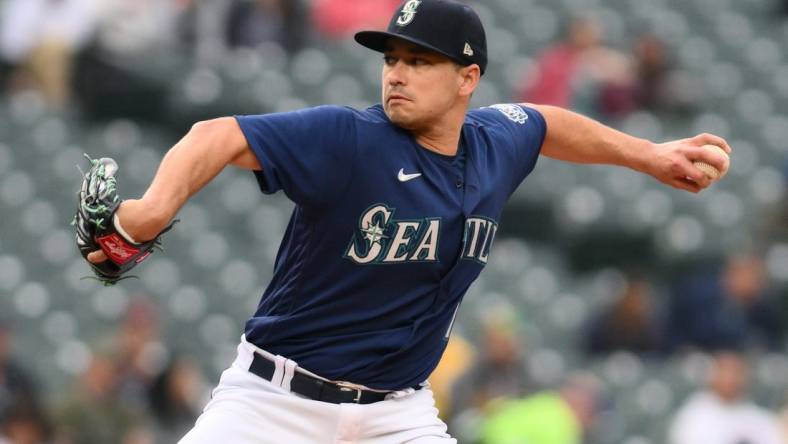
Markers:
{"x": 376, "y": 40}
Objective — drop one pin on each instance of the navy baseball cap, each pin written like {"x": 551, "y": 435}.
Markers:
{"x": 447, "y": 27}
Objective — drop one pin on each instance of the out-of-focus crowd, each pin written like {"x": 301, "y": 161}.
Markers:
{"x": 728, "y": 312}
{"x": 84, "y": 54}
{"x": 136, "y": 390}
{"x": 132, "y": 391}
{"x": 583, "y": 74}
{"x": 91, "y": 54}
{"x": 87, "y": 49}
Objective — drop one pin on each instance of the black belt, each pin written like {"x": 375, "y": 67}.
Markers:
{"x": 317, "y": 389}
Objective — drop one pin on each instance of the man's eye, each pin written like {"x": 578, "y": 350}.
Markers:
{"x": 420, "y": 62}
{"x": 388, "y": 60}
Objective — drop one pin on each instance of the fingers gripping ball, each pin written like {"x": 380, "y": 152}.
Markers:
{"x": 711, "y": 172}
{"x": 97, "y": 227}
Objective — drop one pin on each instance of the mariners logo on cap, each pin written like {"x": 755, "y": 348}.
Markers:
{"x": 408, "y": 12}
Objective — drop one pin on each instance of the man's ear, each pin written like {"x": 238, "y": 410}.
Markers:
{"x": 469, "y": 79}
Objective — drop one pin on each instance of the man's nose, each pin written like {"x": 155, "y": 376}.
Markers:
{"x": 396, "y": 74}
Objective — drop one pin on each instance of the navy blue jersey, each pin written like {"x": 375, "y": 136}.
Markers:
{"x": 385, "y": 238}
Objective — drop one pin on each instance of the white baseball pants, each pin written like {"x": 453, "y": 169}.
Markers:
{"x": 247, "y": 409}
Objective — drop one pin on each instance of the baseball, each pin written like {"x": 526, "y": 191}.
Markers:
{"x": 711, "y": 172}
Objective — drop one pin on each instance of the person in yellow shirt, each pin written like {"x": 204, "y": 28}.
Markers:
{"x": 549, "y": 417}
{"x": 456, "y": 360}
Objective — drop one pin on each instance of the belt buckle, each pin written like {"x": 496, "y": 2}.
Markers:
{"x": 358, "y": 391}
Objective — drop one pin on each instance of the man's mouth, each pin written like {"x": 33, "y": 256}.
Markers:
{"x": 397, "y": 97}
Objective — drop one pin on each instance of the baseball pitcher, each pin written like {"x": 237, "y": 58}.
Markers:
{"x": 397, "y": 210}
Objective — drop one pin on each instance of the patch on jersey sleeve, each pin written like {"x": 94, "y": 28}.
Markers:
{"x": 512, "y": 112}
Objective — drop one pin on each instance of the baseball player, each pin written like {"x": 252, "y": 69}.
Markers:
{"x": 397, "y": 209}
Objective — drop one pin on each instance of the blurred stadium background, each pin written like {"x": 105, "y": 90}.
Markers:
{"x": 600, "y": 274}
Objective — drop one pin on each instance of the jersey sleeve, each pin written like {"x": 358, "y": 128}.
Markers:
{"x": 527, "y": 129}
{"x": 307, "y": 153}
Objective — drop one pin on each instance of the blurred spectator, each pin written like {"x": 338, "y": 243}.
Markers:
{"x": 721, "y": 414}
{"x": 581, "y": 73}
{"x": 24, "y": 424}
{"x": 499, "y": 370}
{"x": 22, "y": 419}
{"x": 175, "y": 399}
{"x": 93, "y": 414}
{"x": 552, "y": 417}
{"x": 783, "y": 421}
{"x": 730, "y": 309}
{"x": 456, "y": 360}
{"x": 651, "y": 63}
{"x": 40, "y": 38}
{"x": 630, "y": 324}
{"x": 659, "y": 87}
{"x": 252, "y": 22}
{"x": 128, "y": 68}
{"x": 341, "y": 18}
{"x": 139, "y": 28}
{"x": 140, "y": 354}
{"x": 16, "y": 385}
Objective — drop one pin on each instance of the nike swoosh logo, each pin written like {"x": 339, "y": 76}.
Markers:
{"x": 406, "y": 177}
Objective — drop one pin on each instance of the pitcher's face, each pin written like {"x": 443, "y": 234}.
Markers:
{"x": 418, "y": 85}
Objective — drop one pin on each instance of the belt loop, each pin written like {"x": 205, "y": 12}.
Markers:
{"x": 289, "y": 371}
{"x": 279, "y": 370}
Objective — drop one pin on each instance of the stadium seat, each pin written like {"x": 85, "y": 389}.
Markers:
{"x": 119, "y": 136}
{"x": 161, "y": 276}
{"x": 31, "y": 300}
{"x": 271, "y": 86}
{"x": 310, "y": 67}
{"x": 187, "y": 303}
{"x": 209, "y": 250}
{"x": 539, "y": 25}
{"x": 767, "y": 185}
{"x": 16, "y": 189}
{"x": 764, "y": 54}
{"x": 623, "y": 369}
{"x": 239, "y": 278}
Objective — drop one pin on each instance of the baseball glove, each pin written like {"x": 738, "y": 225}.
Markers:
{"x": 97, "y": 227}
